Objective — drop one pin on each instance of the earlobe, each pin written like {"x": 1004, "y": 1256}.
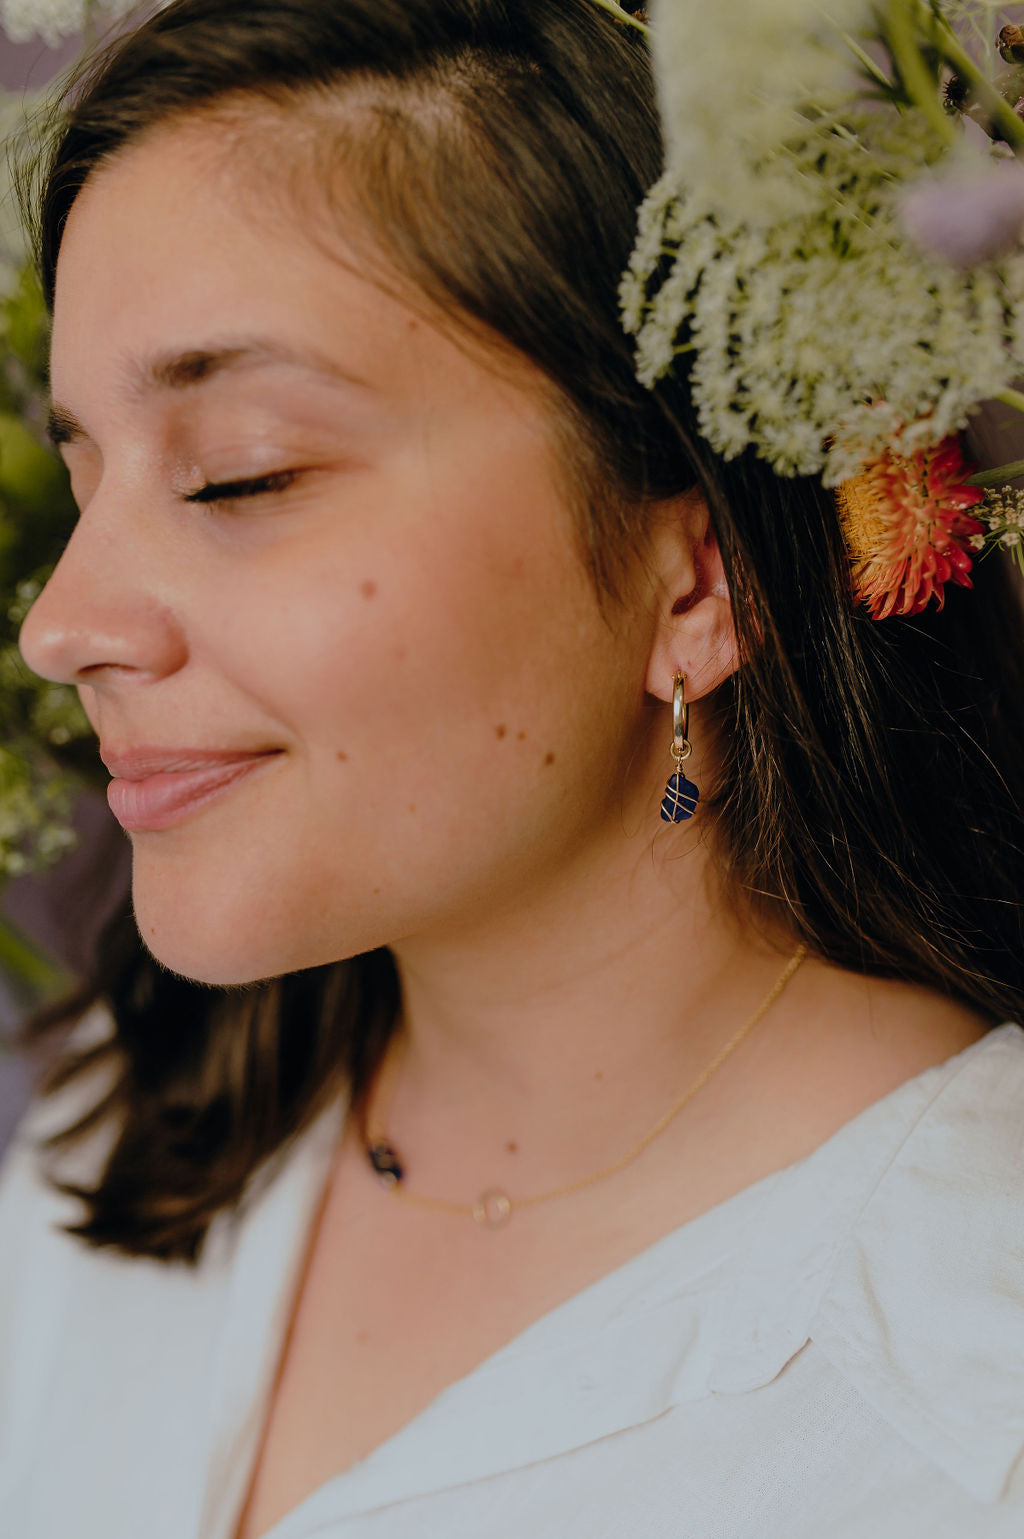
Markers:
{"x": 695, "y": 634}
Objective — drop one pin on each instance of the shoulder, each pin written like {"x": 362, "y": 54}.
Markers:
{"x": 35, "y": 1252}
{"x": 923, "y": 1311}
{"x": 24, "y": 1157}
{"x": 897, "y": 1248}
{"x": 100, "y": 1350}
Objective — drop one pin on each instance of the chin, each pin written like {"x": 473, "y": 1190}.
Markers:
{"x": 226, "y": 949}
{"x": 200, "y": 949}
{"x": 195, "y": 964}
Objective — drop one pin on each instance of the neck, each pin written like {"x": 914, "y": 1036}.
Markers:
{"x": 561, "y": 1031}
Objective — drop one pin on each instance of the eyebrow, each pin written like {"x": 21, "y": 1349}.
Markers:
{"x": 183, "y": 370}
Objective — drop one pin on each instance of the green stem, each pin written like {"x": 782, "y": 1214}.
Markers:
{"x": 26, "y": 965}
{"x": 1014, "y": 398}
{"x": 620, "y": 15}
{"x": 999, "y": 476}
{"x": 1001, "y": 114}
{"x": 901, "y": 36}
{"x": 864, "y": 58}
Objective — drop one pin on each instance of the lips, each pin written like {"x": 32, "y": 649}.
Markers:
{"x": 146, "y": 797}
{"x": 138, "y": 763}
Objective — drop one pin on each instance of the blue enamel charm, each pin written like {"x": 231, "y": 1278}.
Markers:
{"x": 385, "y": 1162}
{"x": 681, "y": 797}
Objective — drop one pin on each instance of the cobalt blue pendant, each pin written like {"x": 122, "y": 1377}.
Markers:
{"x": 681, "y": 797}
{"x": 385, "y": 1162}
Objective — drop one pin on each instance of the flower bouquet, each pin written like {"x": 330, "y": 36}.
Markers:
{"x": 834, "y": 256}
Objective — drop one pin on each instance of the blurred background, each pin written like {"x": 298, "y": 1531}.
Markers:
{"x": 51, "y": 912}
{"x": 28, "y": 66}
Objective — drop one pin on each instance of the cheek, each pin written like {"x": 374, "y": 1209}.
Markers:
{"x": 415, "y": 626}
{"x": 437, "y": 686}
{"x": 430, "y": 681}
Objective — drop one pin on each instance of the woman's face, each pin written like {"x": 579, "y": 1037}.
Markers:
{"x": 403, "y": 615}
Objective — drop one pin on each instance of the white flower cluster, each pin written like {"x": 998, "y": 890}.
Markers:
{"x": 823, "y": 337}
{"x": 747, "y": 66}
{"x": 35, "y": 817}
{"x": 51, "y": 20}
{"x": 54, "y": 20}
{"x": 1003, "y": 511}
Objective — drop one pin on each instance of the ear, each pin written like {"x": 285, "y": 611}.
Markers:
{"x": 694, "y": 632}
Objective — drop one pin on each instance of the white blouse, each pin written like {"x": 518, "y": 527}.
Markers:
{"x": 836, "y": 1352}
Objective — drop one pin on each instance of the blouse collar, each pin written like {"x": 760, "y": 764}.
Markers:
{"x": 896, "y": 1248}
{"x": 924, "y": 1317}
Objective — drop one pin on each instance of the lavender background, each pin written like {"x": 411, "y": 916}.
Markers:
{"x": 46, "y": 907}
{"x": 63, "y": 910}
{"x": 27, "y": 66}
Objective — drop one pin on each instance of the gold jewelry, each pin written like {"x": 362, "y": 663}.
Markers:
{"x": 494, "y": 1207}
{"x": 681, "y": 795}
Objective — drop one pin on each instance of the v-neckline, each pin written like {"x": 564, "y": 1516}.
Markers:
{"x": 688, "y": 1263}
{"x": 282, "y": 1216}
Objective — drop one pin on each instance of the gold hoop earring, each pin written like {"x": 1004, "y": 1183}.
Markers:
{"x": 681, "y": 795}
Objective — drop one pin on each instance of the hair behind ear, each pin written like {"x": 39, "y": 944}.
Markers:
{"x": 873, "y": 774}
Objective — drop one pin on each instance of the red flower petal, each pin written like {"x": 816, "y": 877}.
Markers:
{"x": 908, "y": 528}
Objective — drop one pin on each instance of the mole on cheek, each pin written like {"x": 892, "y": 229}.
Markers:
{"x": 520, "y": 737}
{"x": 549, "y": 758}
{"x": 343, "y": 756}
{"x": 500, "y": 731}
{"x": 368, "y": 588}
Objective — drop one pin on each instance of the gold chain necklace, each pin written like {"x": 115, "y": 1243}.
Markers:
{"x": 494, "y": 1207}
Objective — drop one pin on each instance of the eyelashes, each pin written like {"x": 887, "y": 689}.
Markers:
{"x": 237, "y": 491}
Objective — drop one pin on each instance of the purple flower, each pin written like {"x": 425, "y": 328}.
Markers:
{"x": 971, "y": 215}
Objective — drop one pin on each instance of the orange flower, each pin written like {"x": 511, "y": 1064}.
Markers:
{"x": 908, "y": 528}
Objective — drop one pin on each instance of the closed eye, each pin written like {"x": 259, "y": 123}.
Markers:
{"x": 232, "y": 491}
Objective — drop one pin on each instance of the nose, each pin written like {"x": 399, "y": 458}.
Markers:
{"x": 100, "y": 618}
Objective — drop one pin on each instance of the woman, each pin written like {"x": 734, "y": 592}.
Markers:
{"x": 468, "y": 1149}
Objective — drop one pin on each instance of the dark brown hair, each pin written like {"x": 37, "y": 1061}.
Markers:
{"x": 872, "y": 777}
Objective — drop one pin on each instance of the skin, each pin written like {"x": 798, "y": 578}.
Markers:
{"x": 472, "y": 761}
{"x": 473, "y": 756}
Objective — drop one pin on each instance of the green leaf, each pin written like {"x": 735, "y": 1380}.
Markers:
{"x": 30, "y": 474}
{"x": 35, "y": 973}
{"x": 999, "y": 476}
{"x": 25, "y": 325}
